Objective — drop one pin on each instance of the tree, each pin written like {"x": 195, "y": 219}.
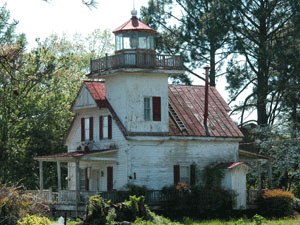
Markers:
{"x": 201, "y": 33}
{"x": 37, "y": 89}
{"x": 261, "y": 28}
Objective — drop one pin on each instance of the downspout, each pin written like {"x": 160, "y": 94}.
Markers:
{"x": 206, "y": 101}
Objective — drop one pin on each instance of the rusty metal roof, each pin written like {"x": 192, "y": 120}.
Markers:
{"x": 188, "y": 103}
{"x": 134, "y": 24}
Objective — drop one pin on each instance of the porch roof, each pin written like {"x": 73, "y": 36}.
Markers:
{"x": 253, "y": 156}
{"x": 71, "y": 156}
{"x": 231, "y": 165}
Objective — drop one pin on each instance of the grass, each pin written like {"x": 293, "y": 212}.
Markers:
{"x": 241, "y": 221}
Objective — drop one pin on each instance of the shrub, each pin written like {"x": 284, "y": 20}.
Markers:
{"x": 105, "y": 212}
{"x": 137, "y": 190}
{"x": 276, "y": 203}
{"x": 195, "y": 200}
{"x": 34, "y": 220}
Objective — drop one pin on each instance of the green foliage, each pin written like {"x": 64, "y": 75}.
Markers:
{"x": 136, "y": 190}
{"x": 37, "y": 88}
{"x": 34, "y": 220}
{"x": 258, "y": 219}
{"x": 212, "y": 176}
{"x": 102, "y": 212}
{"x": 276, "y": 203}
{"x": 198, "y": 200}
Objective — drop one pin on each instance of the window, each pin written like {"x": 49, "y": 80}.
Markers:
{"x": 147, "y": 108}
{"x": 152, "y": 108}
{"x": 87, "y": 129}
{"x": 184, "y": 174}
{"x": 105, "y": 127}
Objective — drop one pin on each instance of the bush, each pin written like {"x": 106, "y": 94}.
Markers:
{"x": 276, "y": 203}
{"x": 105, "y": 212}
{"x": 34, "y": 220}
{"x": 195, "y": 200}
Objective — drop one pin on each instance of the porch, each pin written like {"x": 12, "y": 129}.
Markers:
{"x": 67, "y": 200}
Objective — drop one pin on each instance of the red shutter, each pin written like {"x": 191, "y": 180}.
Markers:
{"x": 110, "y": 178}
{"x": 192, "y": 174}
{"x": 91, "y": 129}
{"x": 101, "y": 127}
{"x": 86, "y": 180}
{"x": 156, "y": 106}
{"x": 109, "y": 127}
{"x": 176, "y": 174}
{"x": 82, "y": 130}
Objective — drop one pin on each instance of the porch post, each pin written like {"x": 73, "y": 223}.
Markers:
{"x": 77, "y": 185}
{"x": 270, "y": 173}
{"x": 41, "y": 175}
{"x": 58, "y": 176}
{"x": 259, "y": 174}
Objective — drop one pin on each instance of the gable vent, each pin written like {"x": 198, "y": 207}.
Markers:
{"x": 176, "y": 118}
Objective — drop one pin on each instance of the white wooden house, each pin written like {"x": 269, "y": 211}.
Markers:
{"x": 131, "y": 126}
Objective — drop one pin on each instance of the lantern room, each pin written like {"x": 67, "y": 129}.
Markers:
{"x": 134, "y": 35}
{"x": 135, "y": 48}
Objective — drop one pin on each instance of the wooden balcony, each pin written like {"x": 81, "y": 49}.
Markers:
{"x": 143, "y": 60}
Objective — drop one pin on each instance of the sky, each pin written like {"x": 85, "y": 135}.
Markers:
{"x": 40, "y": 19}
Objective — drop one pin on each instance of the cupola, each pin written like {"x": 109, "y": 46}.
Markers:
{"x": 134, "y": 35}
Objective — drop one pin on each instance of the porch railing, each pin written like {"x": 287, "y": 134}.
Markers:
{"x": 152, "y": 197}
{"x": 136, "y": 60}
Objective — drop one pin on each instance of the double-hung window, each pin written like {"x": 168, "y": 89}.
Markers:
{"x": 184, "y": 174}
{"x": 87, "y": 129}
{"x": 105, "y": 127}
{"x": 152, "y": 108}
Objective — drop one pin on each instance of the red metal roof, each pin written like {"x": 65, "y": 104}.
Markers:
{"x": 188, "y": 102}
{"x": 134, "y": 24}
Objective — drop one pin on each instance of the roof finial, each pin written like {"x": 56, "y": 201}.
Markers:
{"x": 134, "y": 11}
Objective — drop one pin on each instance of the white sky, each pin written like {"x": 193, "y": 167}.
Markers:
{"x": 38, "y": 19}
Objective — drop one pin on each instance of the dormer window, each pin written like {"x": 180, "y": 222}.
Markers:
{"x": 152, "y": 108}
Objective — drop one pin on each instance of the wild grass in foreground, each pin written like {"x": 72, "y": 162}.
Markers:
{"x": 256, "y": 220}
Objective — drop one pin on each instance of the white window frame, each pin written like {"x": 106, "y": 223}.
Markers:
{"x": 105, "y": 127}
{"x": 148, "y": 109}
{"x": 86, "y": 129}
{"x": 184, "y": 174}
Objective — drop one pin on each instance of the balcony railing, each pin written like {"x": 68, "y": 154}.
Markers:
{"x": 137, "y": 60}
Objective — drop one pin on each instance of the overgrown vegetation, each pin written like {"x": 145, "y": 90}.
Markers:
{"x": 105, "y": 212}
{"x": 276, "y": 203}
{"x": 16, "y": 204}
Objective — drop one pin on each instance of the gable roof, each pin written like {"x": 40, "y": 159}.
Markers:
{"x": 188, "y": 103}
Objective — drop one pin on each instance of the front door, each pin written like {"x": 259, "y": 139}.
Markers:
{"x": 110, "y": 178}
